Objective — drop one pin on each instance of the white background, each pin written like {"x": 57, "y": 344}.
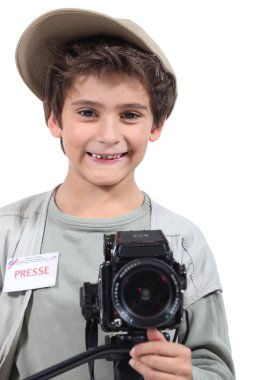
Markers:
{"x": 202, "y": 165}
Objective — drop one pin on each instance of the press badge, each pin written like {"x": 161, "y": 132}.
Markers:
{"x": 31, "y": 272}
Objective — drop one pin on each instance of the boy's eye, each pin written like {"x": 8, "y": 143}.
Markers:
{"x": 130, "y": 115}
{"x": 87, "y": 113}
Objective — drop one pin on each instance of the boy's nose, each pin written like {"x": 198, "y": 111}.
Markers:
{"x": 109, "y": 132}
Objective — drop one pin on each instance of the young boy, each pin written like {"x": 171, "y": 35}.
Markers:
{"x": 107, "y": 90}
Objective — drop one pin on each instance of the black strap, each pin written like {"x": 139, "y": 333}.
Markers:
{"x": 91, "y": 341}
{"x": 101, "y": 352}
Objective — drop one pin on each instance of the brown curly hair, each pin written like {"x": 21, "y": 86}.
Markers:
{"x": 101, "y": 54}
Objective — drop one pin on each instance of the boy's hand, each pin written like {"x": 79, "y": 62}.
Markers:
{"x": 159, "y": 359}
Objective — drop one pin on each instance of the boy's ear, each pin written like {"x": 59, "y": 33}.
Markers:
{"x": 156, "y": 132}
{"x": 54, "y": 126}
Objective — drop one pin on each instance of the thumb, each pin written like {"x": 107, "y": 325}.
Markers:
{"x": 154, "y": 334}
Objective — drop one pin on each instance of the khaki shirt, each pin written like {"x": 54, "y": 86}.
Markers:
{"x": 21, "y": 232}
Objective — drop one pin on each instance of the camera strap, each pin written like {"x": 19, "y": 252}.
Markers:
{"x": 91, "y": 341}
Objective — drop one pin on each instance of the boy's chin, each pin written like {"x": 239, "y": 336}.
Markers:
{"x": 107, "y": 183}
{"x": 112, "y": 181}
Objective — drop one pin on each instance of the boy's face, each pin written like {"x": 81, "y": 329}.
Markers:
{"x": 106, "y": 124}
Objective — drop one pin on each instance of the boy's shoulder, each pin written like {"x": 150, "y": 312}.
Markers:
{"x": 27, "y": 206}
{"x": 189, "y": 247}
{"x": 173, "y": 223}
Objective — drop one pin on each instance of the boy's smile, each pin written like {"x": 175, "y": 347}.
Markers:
{"x": 106, "y": 124}
{"x": 107, "y": 158}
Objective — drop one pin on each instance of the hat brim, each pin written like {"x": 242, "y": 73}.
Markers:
{"x": 34, "y": 54}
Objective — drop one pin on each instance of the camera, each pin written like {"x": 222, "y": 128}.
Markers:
{"x": 140, "y": 285}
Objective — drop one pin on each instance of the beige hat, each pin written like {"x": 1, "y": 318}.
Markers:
{"x": 33, "y": 56}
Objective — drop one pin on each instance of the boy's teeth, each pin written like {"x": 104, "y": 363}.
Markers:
{"x": 106, "y": 156}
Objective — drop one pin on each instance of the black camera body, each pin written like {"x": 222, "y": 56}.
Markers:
{"x": 140, "y": 285}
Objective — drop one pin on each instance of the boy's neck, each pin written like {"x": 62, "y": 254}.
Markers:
{"x": 102, "y": 202}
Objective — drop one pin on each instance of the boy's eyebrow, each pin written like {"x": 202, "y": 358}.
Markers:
{"x": 134, "y": 105}
{"x": 87, "y": 102}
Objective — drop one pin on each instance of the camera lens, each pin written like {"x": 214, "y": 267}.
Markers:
{"x": 146, "y": 293}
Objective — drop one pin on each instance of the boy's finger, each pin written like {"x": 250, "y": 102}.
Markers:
{"x": 154, "y": 334}
{"x": 160, "y": 348}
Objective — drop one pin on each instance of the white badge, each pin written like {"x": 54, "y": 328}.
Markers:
{"x": 31, "y": 272}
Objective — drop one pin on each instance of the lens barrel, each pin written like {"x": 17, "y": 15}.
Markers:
{"x": 146, "y": 293}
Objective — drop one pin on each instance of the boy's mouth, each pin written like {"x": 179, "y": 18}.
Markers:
{"x": 107, "y": 156}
